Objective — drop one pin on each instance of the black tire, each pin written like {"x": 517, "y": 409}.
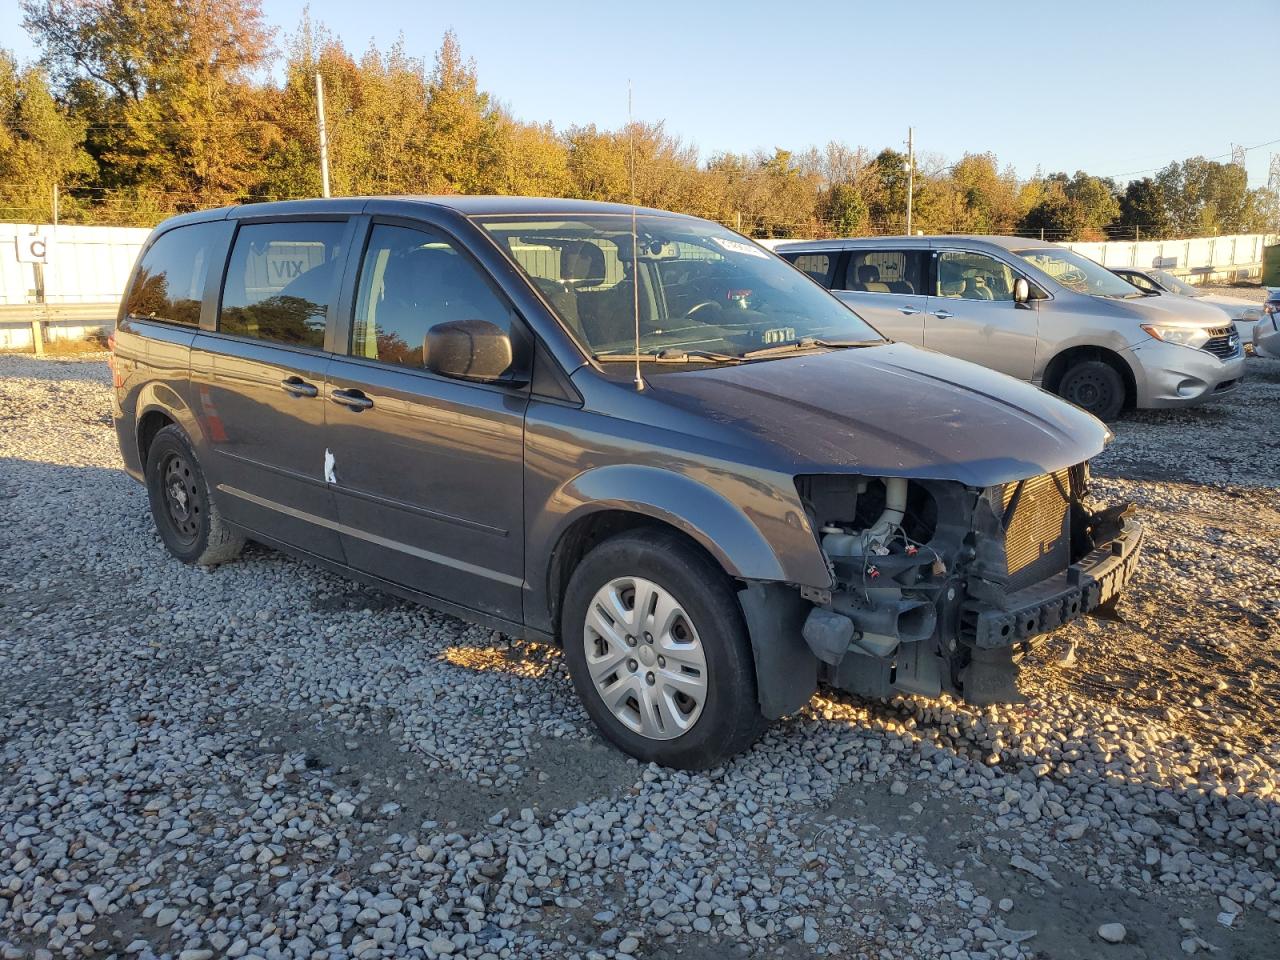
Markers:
{"x": 185, "y": 515}
{"x": 729, "y": 719}
{"x": 1094, "y": 386}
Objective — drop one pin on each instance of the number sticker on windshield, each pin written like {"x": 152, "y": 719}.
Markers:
{"x": 737, "y": 246}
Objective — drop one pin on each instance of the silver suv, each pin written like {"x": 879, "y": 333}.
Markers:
{"x": 1036, "y": 311}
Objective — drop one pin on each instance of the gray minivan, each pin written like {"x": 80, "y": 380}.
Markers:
{"x": 1036, "y": 311}
{"x": 635, "y": 434}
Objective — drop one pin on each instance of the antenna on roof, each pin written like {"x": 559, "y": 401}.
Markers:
{"x": 635, "y": 255}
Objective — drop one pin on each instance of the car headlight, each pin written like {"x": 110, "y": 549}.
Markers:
{"x": 1194, "y": 337}
{"x": 1251, "y": 314}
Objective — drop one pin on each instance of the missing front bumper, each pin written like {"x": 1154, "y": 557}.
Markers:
{"x": 1092, "y": 582}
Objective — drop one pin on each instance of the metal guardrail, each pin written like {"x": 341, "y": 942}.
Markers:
{"x": 38, "y": 316}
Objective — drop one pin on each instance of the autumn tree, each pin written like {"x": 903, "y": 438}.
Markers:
{"x": 972, "y": 196}
{"x": 167, "y": 87}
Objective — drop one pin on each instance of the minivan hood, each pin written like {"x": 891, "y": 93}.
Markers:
{"x": 891, "y": 410}
{"x": 1168, "y": 308}
{"x": 1235, "y": 307}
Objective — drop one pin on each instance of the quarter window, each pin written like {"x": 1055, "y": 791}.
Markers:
{"x": 411, "y": 280}
{"x": 281, "y": 281}
{"x": 170, "y": 281}
{"x": 963, "y": 275}
{"x": 885, "y": 271}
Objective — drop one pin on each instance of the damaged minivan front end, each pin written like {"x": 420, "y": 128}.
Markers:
{"x": 937, "y": 586}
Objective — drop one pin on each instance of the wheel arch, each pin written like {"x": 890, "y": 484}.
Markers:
{"x": 157, "y": 406}
{"x": 1064, "y": 360}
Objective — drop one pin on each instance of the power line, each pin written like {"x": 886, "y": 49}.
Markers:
{"x": 1222, "y": 156}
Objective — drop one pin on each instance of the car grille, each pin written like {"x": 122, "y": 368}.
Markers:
{"x": 1037, "y": 538}
{"x": 1223, "y": 343}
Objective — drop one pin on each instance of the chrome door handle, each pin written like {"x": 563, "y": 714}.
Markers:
{"x": 298, "y": 387}
{"x": 908, "y": 311}
{"x": 944, "y": 314}
{"x": 351, "y": 399}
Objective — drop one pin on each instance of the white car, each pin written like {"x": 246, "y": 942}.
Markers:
{"x": 1243, "y": 313}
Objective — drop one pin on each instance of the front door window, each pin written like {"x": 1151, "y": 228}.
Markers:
{"x": 963, "y": 275}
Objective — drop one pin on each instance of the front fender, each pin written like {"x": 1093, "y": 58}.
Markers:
{"x": 748, "y": 525}
{"x": 719, "y": 526}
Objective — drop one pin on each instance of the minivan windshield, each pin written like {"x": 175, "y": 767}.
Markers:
{"x": 1174, "y": 285}
{"x": 1078, "y": 273}
{"x": 701, "y": 292}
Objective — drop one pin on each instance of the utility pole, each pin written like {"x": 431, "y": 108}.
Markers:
{"x": 55, "y": 204}
{"x": 911, "y": 173}
{"x": 324, "y": 137}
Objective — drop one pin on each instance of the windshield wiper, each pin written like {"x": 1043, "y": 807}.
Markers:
{"x": 807, "y": 343}
{"x": 669, "y": 355}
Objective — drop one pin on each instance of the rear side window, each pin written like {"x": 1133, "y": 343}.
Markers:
{"x": 885, "y": 271}
{"x": 170, "y": 281}
{"x": 816, "y": 265}
{"x": 411, "y": 280}
{"x": 281, "y": 281}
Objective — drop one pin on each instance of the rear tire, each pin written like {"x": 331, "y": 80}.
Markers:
{"x": 659, "y": 652}
{"x": 1094, "y": 386}
{"x": 182, "y": 507}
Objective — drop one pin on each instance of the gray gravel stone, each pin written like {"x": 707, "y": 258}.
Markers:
{"x": 267, "y": 759}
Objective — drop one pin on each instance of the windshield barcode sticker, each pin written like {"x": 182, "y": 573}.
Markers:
{"x": 738, "y": 246}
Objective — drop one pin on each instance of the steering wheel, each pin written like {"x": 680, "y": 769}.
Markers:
{"x": 701, "y": 306}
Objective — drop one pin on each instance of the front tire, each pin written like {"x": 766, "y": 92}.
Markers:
{"x": 185, "y": 515}
{"x": 1094, "y": 386}
{"x": 659, "y": 652}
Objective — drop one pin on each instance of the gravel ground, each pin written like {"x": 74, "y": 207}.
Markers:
{"x": 1246, "y": 291}
{"x": 267, "y": 760}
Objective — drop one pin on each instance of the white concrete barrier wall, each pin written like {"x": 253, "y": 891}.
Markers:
{"x": 86, "y": 264}
{"x": 1203, "y": 255}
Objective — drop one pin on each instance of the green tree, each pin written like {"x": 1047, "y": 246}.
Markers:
{"x": 40, "y": 146}
{"x": 1143, "y": 212}
{"x": 1072, "y": 208}
{"x": 843, "y": 209}
{"x": 1204, "y": 197}
{"x": 886, "y": 191}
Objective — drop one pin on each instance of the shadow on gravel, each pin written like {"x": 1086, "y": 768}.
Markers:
{"x": 559, "y": 773}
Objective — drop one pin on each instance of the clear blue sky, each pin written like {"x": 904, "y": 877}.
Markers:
{"x": 1108, "y": 87}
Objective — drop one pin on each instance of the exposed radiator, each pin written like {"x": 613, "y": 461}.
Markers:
{"x": 1037, "y": 537}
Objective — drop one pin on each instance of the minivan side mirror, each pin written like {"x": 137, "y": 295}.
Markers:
{"x": 1021, "y": 290}
{"x": 469, "y": 350}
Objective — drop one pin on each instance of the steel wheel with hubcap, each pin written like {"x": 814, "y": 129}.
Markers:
{"x": 645, "y": 658}
{"x": 659, "y": 652}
